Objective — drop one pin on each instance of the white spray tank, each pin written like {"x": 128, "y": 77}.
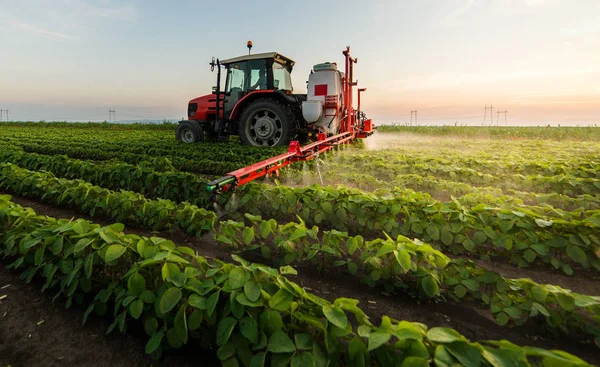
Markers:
{"x": 324, "y": 98}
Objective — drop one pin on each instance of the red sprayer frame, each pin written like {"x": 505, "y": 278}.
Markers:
{"x": 350, "y": 130}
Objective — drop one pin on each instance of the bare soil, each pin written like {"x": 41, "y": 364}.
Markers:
{"x": 61, "y": 340}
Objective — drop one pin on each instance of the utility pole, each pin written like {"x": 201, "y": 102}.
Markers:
{"x": 491, "y": 114}
{"x": 7, "y": 119}
{"x": 505, "y": 112}
{"x": 497, "y": 117}
{"x": 112, "y": 116}
{"x": 484, "y": 113}
{"x": 1, "y": 115}
{"x": 411, "y": 115}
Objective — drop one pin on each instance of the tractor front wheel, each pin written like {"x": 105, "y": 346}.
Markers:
{"x": 189, "y": 132}
{"x": 267, "y": 122}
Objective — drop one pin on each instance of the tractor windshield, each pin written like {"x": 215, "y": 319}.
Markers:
{"x": 281, "y": 77}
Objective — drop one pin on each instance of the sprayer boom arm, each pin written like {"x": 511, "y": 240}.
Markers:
{"x": 295, "y": 153}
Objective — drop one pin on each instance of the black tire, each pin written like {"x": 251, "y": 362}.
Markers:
{"x": 267, "y": 122}
{"x": 189, "y": 132}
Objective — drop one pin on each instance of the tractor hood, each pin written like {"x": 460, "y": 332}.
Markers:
{"x": 203, "y": 107}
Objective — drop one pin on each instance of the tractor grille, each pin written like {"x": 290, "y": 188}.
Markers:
{"x": 192, "y": 108}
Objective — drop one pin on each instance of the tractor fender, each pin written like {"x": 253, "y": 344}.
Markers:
{"x": 257, "y": 94}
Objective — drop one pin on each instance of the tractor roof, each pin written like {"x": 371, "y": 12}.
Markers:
{"x": 265, "y": 55}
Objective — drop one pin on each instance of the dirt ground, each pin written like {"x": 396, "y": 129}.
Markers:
{"x": 61, "y": 340}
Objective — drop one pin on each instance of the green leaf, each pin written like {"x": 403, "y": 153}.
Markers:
{"x": 89, "y": 265}
{"x": 407, "y": 330}
{"x": 195, "y": 320}
{"x": 226, "y": 351}
{"x": 136, "y": 284}
{"x": 480, "y": 237}
{"x": 148, "y": 296}
{"x": 252, "y": 290}
{"x": 433, "y": 231}
{"x": 471, "y": 284}
{"x": 577, "y": 254}
{"x": 180, "y": 324}
{"x": 82, "y": 244}
{"x": 303, "y": 341}
{"x": 543, "y": 223}
{"x": 403, "y": 259}
{"x": 460, "y": 290}
{"x": 135, "y": 308}
{"x": 169, "y": 299}
{"x": 270, "y": 321}
{"x": 154, "y": 342}
{"x": 377, "y": 339}
{"x": 211, "y": 303}
{"x": 336, "y": 316}
{"x": 114, "y": 252}
{"x": 225, "y": 329}
{"x": 150, "y": 325}
{"x": 541, "y": 309}
{"x": 352, "y": 268}
{"x": 237, "y": 278}
{"x": 248, "y": 235}
{"x": 385, "y": 249}
{"x": 197, "y": 301}
{"x": 529, "y": 255}
{"x": 444, "y": 335}
{"x": 259, "y": 359}
{"x": 376, "y": 275}
{"x": 430, "y": 286}
{"x": 502, "y": 318}
{"x": 304, "y": 359}
{"x": 466, "y": 354}
{"x": 281, "y": 300}
{"x": 170, "y": 272}
{"x": 249, "y": 329}
{"x": 284, "y": 270}
{"x": 279, "y": 342}
{"x": 447, "y": 237}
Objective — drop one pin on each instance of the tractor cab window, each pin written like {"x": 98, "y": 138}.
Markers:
{"x": 281, "y": 77}
{"x": 236, "y": 77}
{"x": 257, "y": 72}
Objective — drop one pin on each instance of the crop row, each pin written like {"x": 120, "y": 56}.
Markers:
{"x": 143, "y": 178}
{"x": 125, "y": 206}
{"x": 498, "y": 165}
{"x": 566, "y": 184}
{"x": 251, "y": 313}
{"x": 416, "y": 268}
{"x": 401, "y": 263}
{"x": 552, "y": 204}
{"x": 181, "y": 186}
{"x": 517, "y": 234}
{"x": 566, "y": 133}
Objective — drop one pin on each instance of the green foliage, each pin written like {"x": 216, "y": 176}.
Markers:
{"x": 414, "y": 267}
{"x": 123, "y": 206}
{"x": 296, "y": 334}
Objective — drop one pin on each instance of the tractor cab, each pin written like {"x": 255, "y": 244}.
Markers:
{"x": 253, "y": 98}
{"x": 259, "y": 72}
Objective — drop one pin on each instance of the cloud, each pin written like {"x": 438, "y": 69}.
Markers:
{"x": 39, "y": 30}
{"x": 452, "y": 19}
{"x": 62, "y": 19}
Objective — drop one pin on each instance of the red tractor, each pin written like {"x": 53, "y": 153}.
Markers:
{"x": 258, "y": 103}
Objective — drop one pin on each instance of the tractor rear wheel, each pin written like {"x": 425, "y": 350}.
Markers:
{"x": 189, "y": 132}
{"x": 267, "y": 122}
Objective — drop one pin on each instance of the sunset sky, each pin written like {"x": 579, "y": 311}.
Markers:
{"x": 75, "y": 59}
